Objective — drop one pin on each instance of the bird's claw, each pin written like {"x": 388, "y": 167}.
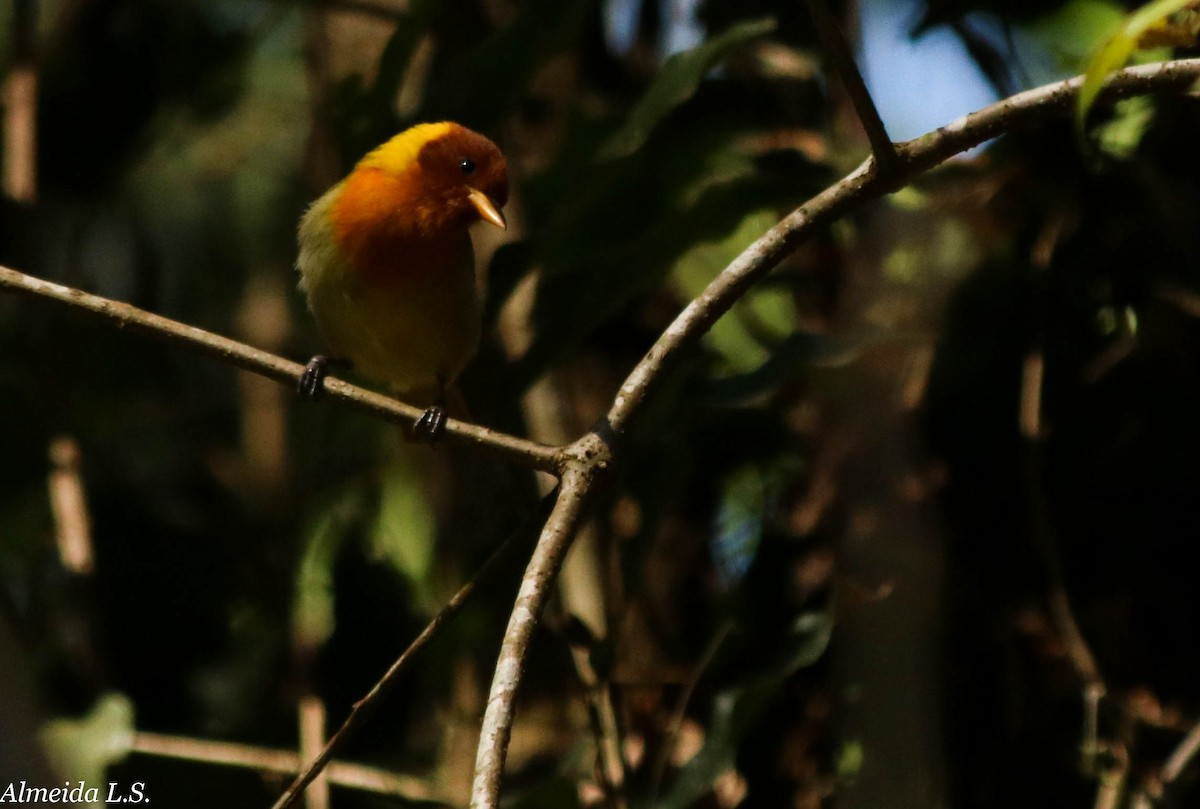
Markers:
{"x": 312, "y": 381}
{"x": 431, "y": 425}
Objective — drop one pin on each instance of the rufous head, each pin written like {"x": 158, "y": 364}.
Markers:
{"x": 454, "y": 175}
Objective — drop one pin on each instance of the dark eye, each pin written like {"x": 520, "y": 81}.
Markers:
{"x": 467, "y": 165}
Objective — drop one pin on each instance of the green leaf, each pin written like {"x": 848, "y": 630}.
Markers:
{"x": 734, "y": 712}
{"x": 82, "y": 749}
{"x": 849, "y": 761}
{"x": 1120, "y": 136}
{"x": 807, "y": 639}
{"x": 737, "y": 710}
{"x": 675, "y": 83}
{"x": 1115, "y": 51}
{"x": 735, "y": 337}
{"x": 583, "y": 293}
{"x": 1070, "y": 34}
{"x": 404, "y": 530}
{"x": 313, "y": 602}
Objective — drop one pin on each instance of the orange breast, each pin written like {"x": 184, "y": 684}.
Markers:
{"x": 388, "y": 232}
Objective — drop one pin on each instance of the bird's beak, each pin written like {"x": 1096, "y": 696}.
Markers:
{"x": 487, "y": 209}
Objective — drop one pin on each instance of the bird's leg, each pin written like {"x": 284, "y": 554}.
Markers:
{"x": 312, "y": 381}
{"x": 432, "y": 423}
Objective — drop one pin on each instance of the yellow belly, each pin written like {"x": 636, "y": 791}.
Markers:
{"x": 416, "y": 332}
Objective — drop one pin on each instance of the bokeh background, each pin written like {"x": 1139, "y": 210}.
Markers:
{"x": 913, "y": 530}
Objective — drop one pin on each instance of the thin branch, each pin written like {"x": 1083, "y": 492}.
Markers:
{"x": 590, "y": 455}
{"x": 1181, "y": 756}
{"x": 18, "y": 97}
{"x": 843, "y": 62}
{"x": 69, "y": 507}
{"x": 518, "y": 450}
{"x": 312, "y": 741}
{"x": 228, "y": 754}
{"x": 675, "y": 726}
{"x": 1112, "y": 782}
{"x": 365, "y": 706}
{"x": 610, "y": 764}
{"x": 865, "y": 182}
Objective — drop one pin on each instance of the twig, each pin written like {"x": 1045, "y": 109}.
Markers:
{"x": 1032, "y": 373}
{"x": 312, "y": 741}
{"x": 18, "y": 177}
{"x": 1181, "y": 756}
{"x": 916, "y": 156}
{"x": 843, "y": 62}
{"x": 518, "y": 450}
{"x": 610, "y": 765}
{"x": 589, "y": 456}
{"x": 363, "y": 708}
{"x": 68, "y": 504}
{"x": 228, "y": 754}
{"x": 680, "y": 713}
{"x": 1112, "y": 782}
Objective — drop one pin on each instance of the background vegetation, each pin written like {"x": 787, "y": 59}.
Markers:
{"x": 843, "y": 562}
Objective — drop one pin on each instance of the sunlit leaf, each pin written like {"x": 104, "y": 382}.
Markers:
{"x": 313, "y": 601}
{"x": 849, "y": 760}
{"x": 1120, "y": 136}
{"x": 404, "y": 530}
{"x": 771, "y": 310}
{"x": 1114, "y": 52}
{"x": 675, "y": 83}
{"x": 82, "y": 749}
{"x": 606, "y": 276}
{"x": 795, "y": 353}
{"x": 1178, "y": 31}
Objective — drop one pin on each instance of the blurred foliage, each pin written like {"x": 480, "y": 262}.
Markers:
{"x": 83, "y": 749}
{"x": 825, "y": 564}
{"x": 1160, "y": 23}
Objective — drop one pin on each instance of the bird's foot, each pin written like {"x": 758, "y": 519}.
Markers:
{"x": 312, "y": 381}
{"x": 431, "y": 425}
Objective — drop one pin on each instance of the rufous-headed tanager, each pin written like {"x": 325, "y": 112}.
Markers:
{"x": 387, "y": 266}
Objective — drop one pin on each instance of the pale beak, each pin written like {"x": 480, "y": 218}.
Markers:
{"x": 487, "y": 209}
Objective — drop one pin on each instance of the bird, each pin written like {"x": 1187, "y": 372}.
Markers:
{"x": 387, "y": 266}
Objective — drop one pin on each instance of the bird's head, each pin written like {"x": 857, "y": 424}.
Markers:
{"x": 449, "y": 175}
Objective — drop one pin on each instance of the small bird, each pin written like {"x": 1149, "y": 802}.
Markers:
{"x": 387, "y": 266}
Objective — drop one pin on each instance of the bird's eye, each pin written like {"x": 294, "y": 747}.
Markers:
{"x": 467, "y": 165}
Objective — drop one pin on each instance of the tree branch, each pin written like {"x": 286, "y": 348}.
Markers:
{"x": 865, "y": 182}
{"x": 518, "y": 450}
{"x": 843, "y": 62}
{"x": 589, "y": 457}
{"x": 595, "y": 451}
{"x": 229, "y": 754}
